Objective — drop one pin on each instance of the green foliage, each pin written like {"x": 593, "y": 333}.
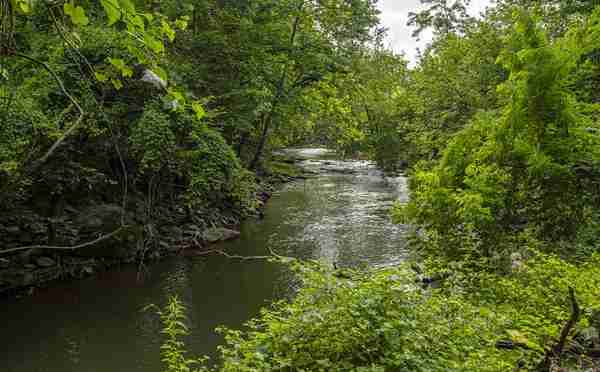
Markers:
{"x": 382, "y": 320}
{"x": 172, "y": 350}
{"x": 513, "y": 170}
{"x": 153, "y": 140}
{"x": 213, "y": 170}
{"x": 24, "y": 126}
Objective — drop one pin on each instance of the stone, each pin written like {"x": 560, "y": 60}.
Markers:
{"x": 151, "y": 77}
{"x": 88, "y": 270}
{"x": 219, "y": 234}
{"x": 45, "y": 262}
{"x": 101, "y": 220}
{"x": 30, "y": 266}
{"x": 516, "y": 261}
{"x": 4, "y": 263}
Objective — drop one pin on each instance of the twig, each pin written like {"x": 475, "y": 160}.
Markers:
{"x": 244, "y": 258}
{"x": 68, "y": 248}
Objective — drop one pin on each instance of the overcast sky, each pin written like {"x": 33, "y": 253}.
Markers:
{"x": 394, "y": 15}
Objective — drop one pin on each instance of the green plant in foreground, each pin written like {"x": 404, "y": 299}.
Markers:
{"x": 172, "y": 351}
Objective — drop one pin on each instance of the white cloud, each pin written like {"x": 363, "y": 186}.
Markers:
{"x": 394, "y": 16}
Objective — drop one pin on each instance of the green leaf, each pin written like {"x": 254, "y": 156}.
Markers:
{"x": 100, "y": 76}
{"x": 161, "y": 73}
{"x": 24, "y": 6}
{"x": 112, "y": 9}
{"x": 116, "y": 83}
{"x": 127, "y": 6}
{"x": 167, "y": 30}
{"x": 198, "y": 110}
{"x": 117, "y": 62}
{"x": 76, "y": 13}
{"x": 138, "y": 22}
{"x": 182, "y": 23}
{"x": 127, "y": 71}
{"x": 155, "y": 45}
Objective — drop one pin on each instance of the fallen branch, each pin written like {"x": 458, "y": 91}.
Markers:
{"x": 244, "y": 258}
{"x": 68, "y": 248}
{"x": 556, "y": 351}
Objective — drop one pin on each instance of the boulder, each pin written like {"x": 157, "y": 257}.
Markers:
{"x": 219, "y": 234}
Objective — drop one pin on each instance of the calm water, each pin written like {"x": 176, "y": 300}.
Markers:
{"x": 97, "y": 324}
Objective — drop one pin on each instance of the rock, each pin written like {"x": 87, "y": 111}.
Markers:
{"x": 88, "y": 270}
{"x": 45, "y": 262}
{"x": 171, "y": 105}
{"x": 150, "y": 77}
{"x": 4, "y": 263}
{"x": 516, "y": 261}
{"x": 219, "y": 234}
{"x": 104, "y": 219}
{"x": 402, "y": 164}
{"x": 30, "y": 266}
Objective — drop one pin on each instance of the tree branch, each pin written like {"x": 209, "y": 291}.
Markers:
{"x": 70, "y": 248}
{"x": 74, "y": 126}
{"x": 556, "y": 351}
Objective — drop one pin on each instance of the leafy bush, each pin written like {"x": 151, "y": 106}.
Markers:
{"x": 384, "y": 320}
{"x": 153, "y": 140}
{"x": 512, "y": 171}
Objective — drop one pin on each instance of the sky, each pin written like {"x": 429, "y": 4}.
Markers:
{"x": 394, "y": 15}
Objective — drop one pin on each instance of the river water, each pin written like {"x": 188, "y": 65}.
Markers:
{"x": 98, "y": 324}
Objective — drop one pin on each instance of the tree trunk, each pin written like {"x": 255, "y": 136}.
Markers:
{"x": 268, "y": 119}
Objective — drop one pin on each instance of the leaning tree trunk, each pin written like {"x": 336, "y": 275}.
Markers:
{"x": 268, "y": 119}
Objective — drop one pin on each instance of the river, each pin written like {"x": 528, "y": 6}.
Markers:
{"x": 98, "y": 324}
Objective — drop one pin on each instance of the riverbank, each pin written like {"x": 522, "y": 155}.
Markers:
{"x": 332, "y": 216}
{"x": 171, "y": 231}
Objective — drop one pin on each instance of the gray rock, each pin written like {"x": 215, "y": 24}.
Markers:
{"x": 45, "y": 262}
{"x": 150, "y": 77}
{"x": 101, "y": 220}
{"x": 4, "y": 263}
{"x": 30, "y": 266}
{"x": 219, "y": 234}
{"x": 171, "y": 105}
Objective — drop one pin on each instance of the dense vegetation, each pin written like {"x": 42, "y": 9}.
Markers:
{"x": 141, "y": 124}
{"x": 498, "y": 124}
{"x": 497, "y": 127}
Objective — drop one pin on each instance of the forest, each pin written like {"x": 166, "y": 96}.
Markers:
{"x": 131, "y": 130}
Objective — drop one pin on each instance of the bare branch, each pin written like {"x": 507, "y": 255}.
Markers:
{"x": 68, "y": 248}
